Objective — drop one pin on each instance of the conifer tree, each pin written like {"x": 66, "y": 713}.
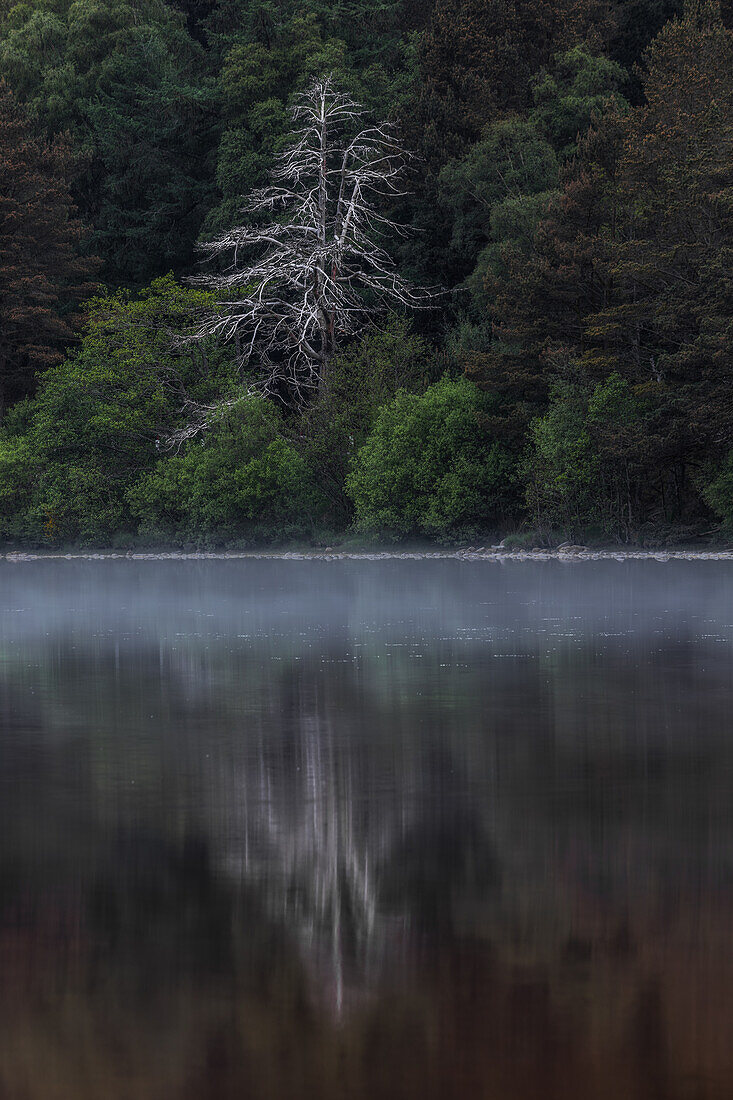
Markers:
{"x": 478, "y": 57}
{"x": 669, "y": 322}
{"x": 539, "y": 310}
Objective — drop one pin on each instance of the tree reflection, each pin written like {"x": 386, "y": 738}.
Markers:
{"x": 404, "y": 853}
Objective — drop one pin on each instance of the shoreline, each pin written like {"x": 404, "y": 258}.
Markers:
{"x": 491, "y": 555}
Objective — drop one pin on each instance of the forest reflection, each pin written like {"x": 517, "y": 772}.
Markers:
{"x": 401, "y": 829}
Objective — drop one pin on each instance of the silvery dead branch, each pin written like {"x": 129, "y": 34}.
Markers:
{"x": 309, "y": 267}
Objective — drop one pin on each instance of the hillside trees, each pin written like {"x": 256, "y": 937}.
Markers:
{"x": 130, "y": 86}
{"x": 362, "y": 377}
{"x": 43, "y": 278}
{"x": 586, "y": 467}
{"x": 244, "y": 480}
{"x": 669, "y": 324}
{"x": 578, "y": 207}
{"x": 478, "y": 58}
{"x": 497, "y": 191}
{"x": 256, "y": 80}
{"x": 69, "y": 456}
{"x": 494, "y": 193}
{"x": 568, "y": 94}
{"x": 522, "y": 153}
{"x": 538, "y": 310}
{"x": 630, "y": 272}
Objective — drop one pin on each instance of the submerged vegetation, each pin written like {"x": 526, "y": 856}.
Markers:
{"x": 423, "y": 268}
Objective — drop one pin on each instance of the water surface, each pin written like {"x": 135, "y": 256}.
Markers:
{"x": 307, "y": 829}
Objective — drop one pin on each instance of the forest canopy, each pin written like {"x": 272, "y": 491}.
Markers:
{"x": 394, "y": 269}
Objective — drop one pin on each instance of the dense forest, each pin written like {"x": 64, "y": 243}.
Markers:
{"x": 448, "y": 269}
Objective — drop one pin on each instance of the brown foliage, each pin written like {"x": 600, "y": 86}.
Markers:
{"x": 539, "y": 311}
{"x": 631, "y": 270}
{"x": 42, "y": 275}
{"x": 478, "y": 56}
{"x": 668, "y": 323}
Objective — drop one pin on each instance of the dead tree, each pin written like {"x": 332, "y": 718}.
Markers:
{"x": 292, "y": 289}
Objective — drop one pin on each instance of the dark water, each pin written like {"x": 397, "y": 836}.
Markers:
{"x": 426, "y": 829}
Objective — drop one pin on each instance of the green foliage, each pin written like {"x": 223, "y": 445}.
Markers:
{"x": 718, "y": 493}
{"x": 579, "y": 86}
{"x": 669, "y": 318}
{"x": 427, "y": 467}
{"x": 638, "y": 22}
{"x": 69, "y": 455}
{"x": 562, "y": 467}
{"x": 242, "y": 480}
{"x": 493, "y": 190}
{"x": 512, "y": 227}
{"x": 584, "y": 467}
{"x": 573, "y": 188}
{"x": 130, "y": 85}
{"x": 16, "y": 473}
{"x": 282, "y": 51}
{"x": 43, "y": 277}
{"x": 478, "y": 58}
{"x": 499, "y": 191}
{"x": 360, "y": 379}
{"x": 256, "y": 82}
{"x": 88, "y": 458}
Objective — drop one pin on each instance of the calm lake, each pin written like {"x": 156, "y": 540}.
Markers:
{"x": 273, "y": 830}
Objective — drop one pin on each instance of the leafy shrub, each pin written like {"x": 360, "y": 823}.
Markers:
{"x": 359, "y": 380}
{"x": 719, "y": 493}
{"x": 240, "y": 480}
{"x": 15, "y": 479}
{"x": 428, "y": 468}
{"x": 69, "y": 455}
{"x": 584, "y": 470}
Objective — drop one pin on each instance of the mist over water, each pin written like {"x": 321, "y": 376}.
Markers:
{"x": 289, "y": 829}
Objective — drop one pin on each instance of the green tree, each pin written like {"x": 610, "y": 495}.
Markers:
{"x": 630, "y": 271}
{"x": 667, "y": 325}
{"x": 539, "y": 305}
{"x": 130, "y": 86}
{"x": 478, "y": 58}
{"x": 282, "y": 53}
{"x": 577, "y": 87}
{"x": 256, "y": 82}
{"x": 427, "y": 468}
{"x": 242, "y": 481}
{"x": 718, "y": 493}
{"x": 636, "y": 25}
{"x": 498, "y": 191}
{"x": 495, "y": 193}
{"x": 42, "y": 276}
{"x": 585, "y": 469}
{"x": 360, "y": 379}
{"x": 69, "y": 455}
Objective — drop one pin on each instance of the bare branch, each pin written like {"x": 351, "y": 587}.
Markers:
{"x": 293, "y": 289}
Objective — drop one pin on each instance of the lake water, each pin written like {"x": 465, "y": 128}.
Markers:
{"x": 418, "y": 829}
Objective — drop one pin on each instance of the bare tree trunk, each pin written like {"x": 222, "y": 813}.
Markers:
{"x": 322, "y": 232}
{"x": 311, "y": 277}
{"x": 3, "y": 364}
